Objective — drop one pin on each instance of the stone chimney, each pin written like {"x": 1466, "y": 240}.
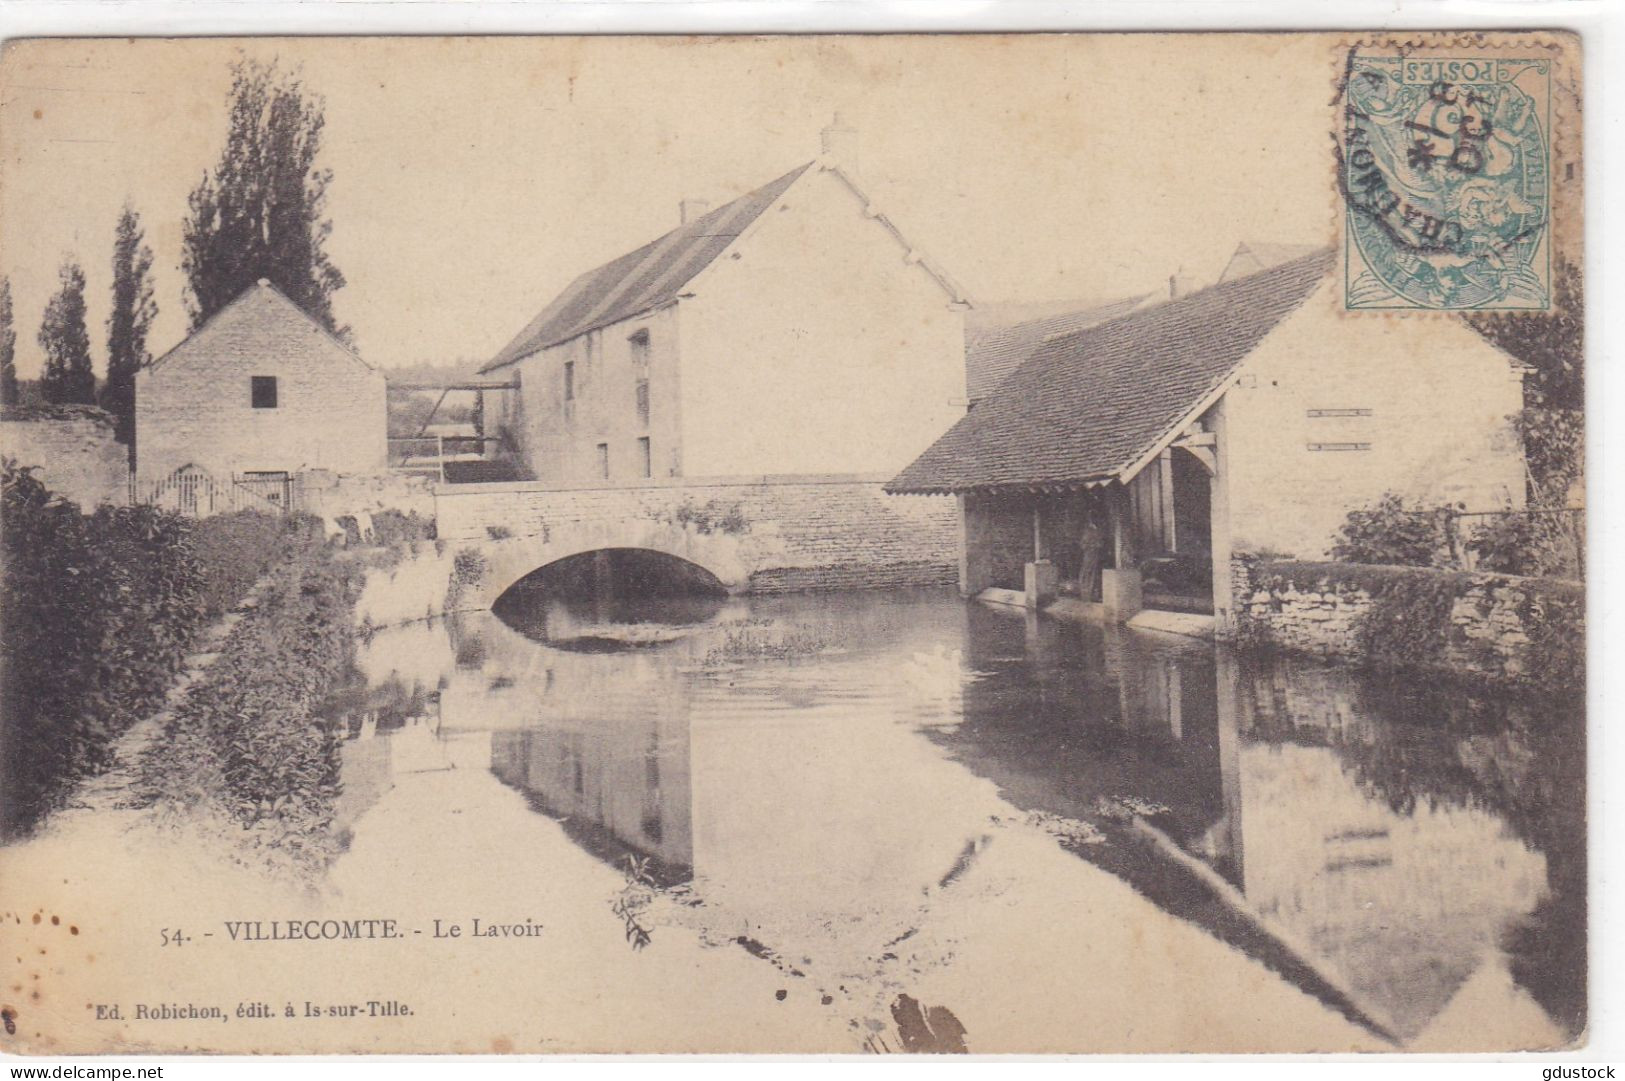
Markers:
{"x": 1181, "y": 284}
{"x": 840, "y": 144}
{"x": 692, "y": 209}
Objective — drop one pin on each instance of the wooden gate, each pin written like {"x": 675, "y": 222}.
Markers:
{"x": 198, "y": 493}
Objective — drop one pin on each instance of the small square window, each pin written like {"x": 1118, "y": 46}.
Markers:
{"x": 263, "y": 390}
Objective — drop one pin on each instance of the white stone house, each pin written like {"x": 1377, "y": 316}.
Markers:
{"x": 260, "y": 392}
{"x": 793, "y": 330}
{"x": 1250, "y": 416}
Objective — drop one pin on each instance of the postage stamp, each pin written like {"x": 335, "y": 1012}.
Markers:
{"x": 1445, "y": 167}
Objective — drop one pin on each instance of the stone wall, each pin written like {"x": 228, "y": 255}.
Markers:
{"x": 333, "y": 495}
{"x": 74, "y": 450}
{"x": 1501, "y": 626}
{"x": 764, "y": 534}
{"x": 998, "y": 542}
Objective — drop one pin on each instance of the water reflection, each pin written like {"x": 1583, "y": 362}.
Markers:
{"x": 813, "y": 770}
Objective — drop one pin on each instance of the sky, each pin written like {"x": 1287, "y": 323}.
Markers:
{"x": 474, "y": 178}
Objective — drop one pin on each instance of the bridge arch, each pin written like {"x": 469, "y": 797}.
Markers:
{"x": 508, "y": 560}
{"x": 607, "y": 573}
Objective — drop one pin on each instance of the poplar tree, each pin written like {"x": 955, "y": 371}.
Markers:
{"x": 8, "y": 348}
{"x": 259, "y": 214}
{"x": 132, "y": 315}
{"x": 67, "y": 377}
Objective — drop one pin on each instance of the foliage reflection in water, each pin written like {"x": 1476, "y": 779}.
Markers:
{"x": 810, "y": 776}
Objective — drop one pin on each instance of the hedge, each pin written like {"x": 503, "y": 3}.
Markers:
{"x": 97, "y": 615}
{"x": 250, "y": 740}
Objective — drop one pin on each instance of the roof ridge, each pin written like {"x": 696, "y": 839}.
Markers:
{"x": 674, "y": 258}
{"x": 266, "y": 285}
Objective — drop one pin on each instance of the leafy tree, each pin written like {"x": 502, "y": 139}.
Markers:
{"x": 67, "y": 376}
{"x": 1551, "y": 343}
{"x": 1552, "y": 423}
{"x": 9, "y": 392}
{"x": 259, "y": 214}
{"x": 133, "y": 312}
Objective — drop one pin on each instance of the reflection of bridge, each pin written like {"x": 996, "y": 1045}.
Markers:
{"x": 754, "y": 534}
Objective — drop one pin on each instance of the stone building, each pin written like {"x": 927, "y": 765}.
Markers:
{"x": 793, "y": 330}
{"x": 1126, "y": 461}
{"x": 259, "y": 393}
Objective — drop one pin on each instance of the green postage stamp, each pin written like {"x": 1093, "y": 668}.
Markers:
{"x": 1450, "y": 171}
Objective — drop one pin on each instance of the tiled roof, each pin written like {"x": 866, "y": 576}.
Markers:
{"x": 993, "y": 352}
{"x": 259, "y": 312}
{"x": 1086, "y": 406}
{"x": 644, "y": 279}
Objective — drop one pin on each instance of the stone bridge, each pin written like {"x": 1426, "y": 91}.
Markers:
{"x": 753, "y": 534}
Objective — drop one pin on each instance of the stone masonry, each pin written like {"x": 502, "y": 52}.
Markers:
{"x": 757, "y": 535}
{"x": 1488, "y": 633}
{"x": 74, "y": 451}
{"x": 195, "y": 405}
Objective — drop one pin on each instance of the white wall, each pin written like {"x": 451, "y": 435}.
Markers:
{"x": 819, "y": 349}
{"x": 1440, "y": 398}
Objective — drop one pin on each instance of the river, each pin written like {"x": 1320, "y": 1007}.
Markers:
{"x": 928, "y": 824}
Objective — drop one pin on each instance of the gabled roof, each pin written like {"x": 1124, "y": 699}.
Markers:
{"x": 992, "y": 352}
{"x": 644, "y": 279}
{"x": 1088, "y": 406}
{"x": 260, "y": 301}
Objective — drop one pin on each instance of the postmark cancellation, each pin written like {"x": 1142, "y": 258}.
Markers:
{"x": 1455, "y": 171}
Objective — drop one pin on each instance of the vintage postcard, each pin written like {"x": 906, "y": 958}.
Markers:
{"x": 833, "y": 544}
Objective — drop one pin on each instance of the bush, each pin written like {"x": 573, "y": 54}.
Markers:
{"x": 98, "y": 614}
{"x": 250, "y": 739}
{"x": 1389, "y": 532}
{"x": 234, "y": 551}
{"x": 1543, "y": 545}
{"x": 711, "y": 517}
{"x": 392, "y": 528}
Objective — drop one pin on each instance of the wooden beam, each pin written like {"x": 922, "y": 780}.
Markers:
{"x": 432, "y": 412}
{"x": 1205, "y": 455}
{"x": 462, "y": 384}
{"x": 1165, "y": 470}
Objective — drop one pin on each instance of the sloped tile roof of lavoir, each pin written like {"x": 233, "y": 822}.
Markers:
{"x": 993, "y": 352}
{"x": 644, "y": 279}
{"x": 1087, "y": 406}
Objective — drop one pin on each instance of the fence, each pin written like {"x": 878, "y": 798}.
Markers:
{"x": 200, "y": 494}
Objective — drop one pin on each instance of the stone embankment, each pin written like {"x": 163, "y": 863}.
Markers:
{"x": 1501, "y": 626}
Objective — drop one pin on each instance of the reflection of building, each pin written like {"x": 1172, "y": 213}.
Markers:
{"x": 623, "y": 778}
{"x": 1400, "y": 890}
{"x": 1246, "y": 416}
{"x": 599, "y": 740}
{"x": 1116, "y": 716}
{"x": 1348, "y": 855}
